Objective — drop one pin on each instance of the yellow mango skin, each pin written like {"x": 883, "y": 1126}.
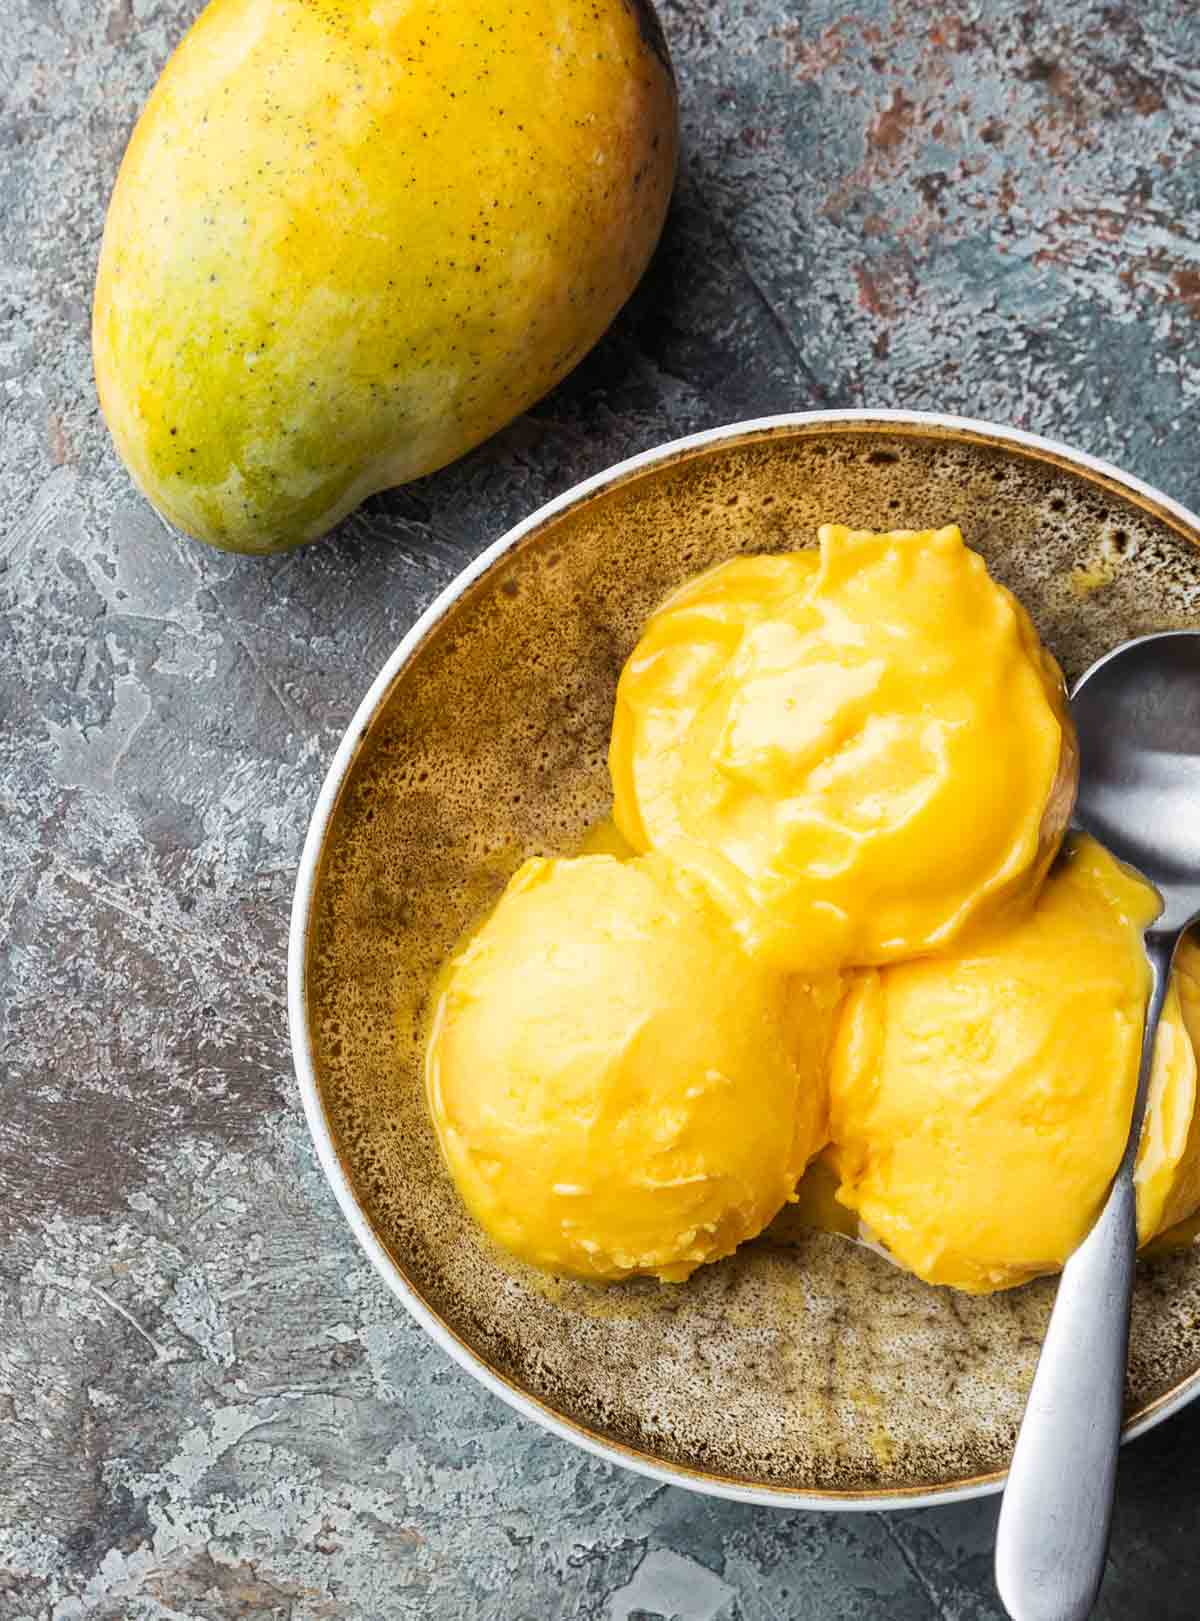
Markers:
{"x": 349, "y": 241}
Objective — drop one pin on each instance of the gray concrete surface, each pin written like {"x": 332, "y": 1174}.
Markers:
{"x": 208, "y": 1406}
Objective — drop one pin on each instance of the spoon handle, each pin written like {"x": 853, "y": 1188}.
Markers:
{"x": 1057, "y": 1508}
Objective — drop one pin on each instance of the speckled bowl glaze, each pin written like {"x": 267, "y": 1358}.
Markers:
{"x": 803, "y": 1371}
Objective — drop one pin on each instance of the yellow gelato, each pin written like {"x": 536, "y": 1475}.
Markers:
{"x": 980, "y": 1100}
{"x": 616, "y": 1085}
{"x": 1167, "y": 1173}
{"x": 859, "y": 753}
{"x": 861, "y": 758}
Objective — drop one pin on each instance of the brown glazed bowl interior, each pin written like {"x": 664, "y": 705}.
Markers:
{"x": 803, "y": 1370}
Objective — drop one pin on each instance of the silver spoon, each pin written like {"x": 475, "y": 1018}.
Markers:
{"x": 1138, "y": 714}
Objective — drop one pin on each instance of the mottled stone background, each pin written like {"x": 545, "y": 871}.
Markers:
{"x": 208, "y": 1406}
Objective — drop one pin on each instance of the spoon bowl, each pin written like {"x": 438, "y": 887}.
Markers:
{"x": 1138, "y": 714}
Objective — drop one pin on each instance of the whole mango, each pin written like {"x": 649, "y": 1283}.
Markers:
{"x": 352, "y": 238}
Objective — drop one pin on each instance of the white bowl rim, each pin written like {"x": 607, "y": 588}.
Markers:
{"x": 302, "y": 1053}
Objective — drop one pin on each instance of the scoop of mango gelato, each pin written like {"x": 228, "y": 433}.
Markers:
{"x": 616, "y": 1085}
{"x": 1167, "y": 1173}
{"x": 980, "y": 1100}
{"x": 859, "y": 753}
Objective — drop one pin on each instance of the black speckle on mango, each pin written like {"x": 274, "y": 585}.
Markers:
{"x": 348, "y": 243}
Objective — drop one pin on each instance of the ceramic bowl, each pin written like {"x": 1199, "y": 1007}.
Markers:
{"x": 804, "y": 1370}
